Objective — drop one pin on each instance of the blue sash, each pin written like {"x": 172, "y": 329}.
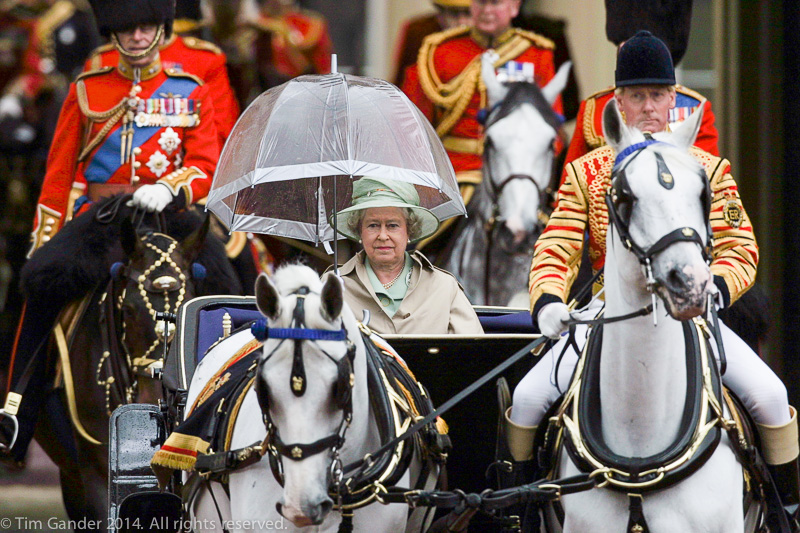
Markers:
{"x": 106, "y": 159}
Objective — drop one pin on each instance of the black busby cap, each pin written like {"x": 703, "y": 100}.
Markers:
{"x": 188, "y": 9}
{"x": 118, "y": 15}
{"x": 644, "y": 60}
{"x": 668, "y": 20}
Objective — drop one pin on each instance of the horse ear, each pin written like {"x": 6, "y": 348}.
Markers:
{"x": 332, "y": 298}
{"x": 130, "y": 239}
{"x": 267, "y": 298}
{"x": 557, "y": 84}
{"x": 685, "y": 134}
{"x": 191, "y": 245}
{"x": 495, "y": 90}
{"x": 615, "y": 131}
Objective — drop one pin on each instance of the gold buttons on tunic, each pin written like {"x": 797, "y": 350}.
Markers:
{"x": 385, "y": 301}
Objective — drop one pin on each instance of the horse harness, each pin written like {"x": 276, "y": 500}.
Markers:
{"x": 573, "y": 423}
{"x": 396, "y": 398}
{"x": 122, "y": 365}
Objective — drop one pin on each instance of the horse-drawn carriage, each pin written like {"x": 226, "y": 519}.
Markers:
{"x": 444, "y": 364}
{"x": 645, "y": 432}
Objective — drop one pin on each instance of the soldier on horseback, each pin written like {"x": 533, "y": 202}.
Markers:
{"x": 446, "y": 84}
{"x": 135, "y": 127}
{"x": 645, "y": 92}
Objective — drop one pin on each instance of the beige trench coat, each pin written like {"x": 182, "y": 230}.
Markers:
{"x": 434, "y": 304}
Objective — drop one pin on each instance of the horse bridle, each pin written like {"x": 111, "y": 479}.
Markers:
{"x": 342, "y": 392}
{"x": 162, "y": 284}
{"x": 619, "y": 195}
{"x": 496, "y": 191}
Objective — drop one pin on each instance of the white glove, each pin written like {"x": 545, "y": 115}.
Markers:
{"x": 10, "y": 106}
{"x": 151, "y": 198}
{"x": 552, "y": 319}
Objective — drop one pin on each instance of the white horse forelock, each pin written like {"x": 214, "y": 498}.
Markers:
{"x": 291, "y": 277}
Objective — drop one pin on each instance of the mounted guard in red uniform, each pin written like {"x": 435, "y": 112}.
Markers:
{"x": 446, "y": 83}
{"x": 135, "y": 127}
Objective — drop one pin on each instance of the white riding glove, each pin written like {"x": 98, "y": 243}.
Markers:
{"x": 10, "y": 106}
{"x": 151, "y": 198}
{"x": 552, "y": 319}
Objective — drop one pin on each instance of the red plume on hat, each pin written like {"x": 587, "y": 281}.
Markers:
{"x": 669, "y": 20}
{"x": 118, "y": 15}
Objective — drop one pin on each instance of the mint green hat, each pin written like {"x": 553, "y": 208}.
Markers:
{"x": 381, "y": 192}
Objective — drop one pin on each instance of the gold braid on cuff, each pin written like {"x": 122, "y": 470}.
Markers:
{"x": 182, "y": 179}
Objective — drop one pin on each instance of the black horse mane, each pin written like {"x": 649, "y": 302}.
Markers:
{"x": 524, "y": 92}
{"x": 81, "y": 256}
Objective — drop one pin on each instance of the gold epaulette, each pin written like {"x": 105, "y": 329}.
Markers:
{"x": 435, "y": 39}
{"x": 594, "y": 139}
{"x": 711, "y": 163}
{"x": 601, "y": 92}
{"x": 199, "y": 44}
{"x": 455, "y": 95}
{"x": 535, "y": 38}
{"x": 689, "y": 92}
{"x": 96, "y": 57}
{"x": 174, "y": 73}
{"x": 95, "y": 72}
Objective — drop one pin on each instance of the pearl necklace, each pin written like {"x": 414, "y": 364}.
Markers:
{"x": 388, "y": 286}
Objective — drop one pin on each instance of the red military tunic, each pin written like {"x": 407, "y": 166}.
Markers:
{"x": 446, "y": 83}
{"x": 195, "y": 56}
{"x": 589, "y": 124}
{"x": 300, "y": 42}
{"x": 114, "y": 132}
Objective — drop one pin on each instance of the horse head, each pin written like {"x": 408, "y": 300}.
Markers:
{"x": 659, "y": 205}
{"x": 520, "y": 131}
{"x": 158, "y": 276}
{"x": 305, "y": 386}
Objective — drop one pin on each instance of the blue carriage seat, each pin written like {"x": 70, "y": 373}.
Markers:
{"x": 505, "y": 319}
{"x": 210, "y": 324}
{"x": 199, "y": 325}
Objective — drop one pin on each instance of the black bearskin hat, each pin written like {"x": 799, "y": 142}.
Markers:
{"x": 188, "y": 9}
{"x": 644, "y": 60}
{"x": 669, "y": 20}
{"x": 118, "y": 15}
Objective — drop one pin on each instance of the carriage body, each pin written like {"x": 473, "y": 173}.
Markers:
{"x": 445, "y": 364}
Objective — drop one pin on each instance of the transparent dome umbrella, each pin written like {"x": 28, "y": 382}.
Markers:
{"x": 290, "y": 161}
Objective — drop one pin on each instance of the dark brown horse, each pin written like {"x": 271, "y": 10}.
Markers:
{"x": 106, "y": 351}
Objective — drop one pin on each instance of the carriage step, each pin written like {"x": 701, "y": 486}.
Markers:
{"x": 136, "y": 432}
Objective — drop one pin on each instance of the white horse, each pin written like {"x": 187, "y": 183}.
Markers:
{"x": 257, "y": 501}
{"x": 642, "y": 369}
{"x": 492, "y": 248}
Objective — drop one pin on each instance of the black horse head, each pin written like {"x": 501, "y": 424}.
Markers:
{"x": 159, "y": 275}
